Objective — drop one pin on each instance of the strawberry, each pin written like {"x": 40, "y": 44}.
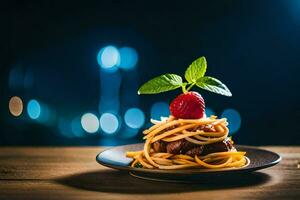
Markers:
{"x": 189, "y": 105}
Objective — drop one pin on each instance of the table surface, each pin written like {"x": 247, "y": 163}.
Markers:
{"x": 72, "y": 173}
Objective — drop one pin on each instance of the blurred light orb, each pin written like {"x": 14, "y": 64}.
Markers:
{"x": 159, "y": 109}
{"x": 76, "y": 127}
{"x": 128, "y": 133}
{"x": 15, "y": 79}
{"x": 15, "y": 106}
{"x": 209, "y": 112}
{"x": 109, "y": 123}
{"x": 108, "y": 57}
{"x": 28, "y": 79}
{"x": 65, "y": 128}
{"x": 33, "y": 109}
{"x": 233, "y": 118}
{"x": 128, "y": 58}
{"x": 44, "y": 116}
{"x": 90, "y": 123}
{"x": 134, "y": 118}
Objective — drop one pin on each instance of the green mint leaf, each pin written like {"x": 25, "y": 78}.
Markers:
{"x": 213, "y": 85}
{"x": 160, "y": 84}
{"x": 196, "y": 70}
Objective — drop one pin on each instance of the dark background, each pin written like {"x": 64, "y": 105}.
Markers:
{"x": 252, "y": 46}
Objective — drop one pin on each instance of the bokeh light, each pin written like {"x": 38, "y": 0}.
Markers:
{"x": 28, "y": 79}
{"x": 160, "y": 109}
{"x": 108, "y": 57}
{"x": 209, "y": 112}
{"x": 44, "y": 114}
{"x": 134, "y": 118}
{"x": 90, "y": 123}
{"x": 76, "y": 127}
{"x": 64, "y": 127}
{"x": 128, "y": 58}
{"x": 128, "y": 132}
{"x": 233, "y": 118}
{"x": 33, "y": 109}
{"x": 15, "y": 79}
{"x": 109, "y": 123}
{"x": 15, "y": 106}
{"x": 110, "y": 91}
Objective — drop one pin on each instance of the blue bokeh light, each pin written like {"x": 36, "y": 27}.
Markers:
{"x": 134, "y": 118}
{"x": 160, "y": 109}
{"x": 128, "y": 58}
{"x": 90, "y": 122}
{"x": 64, "y": 127}
{"x": 28, "y": 79}
{"x": 76, "y": 127}
{"x": 110, "y": 91}
{"x": 33, "y": 109}
{"x": 128, "y": 133}
{"x": 44, "y": 116}
{"x": 209, "y": 112}
{"x": 15, "y": 79}
{"x": 109, "y": 123}
{"x": 234, "y": 119}
{"x": 108, "y": 57}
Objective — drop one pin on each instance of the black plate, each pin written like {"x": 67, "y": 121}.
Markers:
{"x": 116, "y": 158}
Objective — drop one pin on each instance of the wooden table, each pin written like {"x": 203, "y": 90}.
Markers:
{"x": 72, "y": 173}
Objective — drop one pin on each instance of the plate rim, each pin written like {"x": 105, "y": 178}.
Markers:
{"x": 188, "y": 171}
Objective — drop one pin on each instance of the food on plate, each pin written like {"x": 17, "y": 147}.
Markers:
{"x": 188, "y": 138}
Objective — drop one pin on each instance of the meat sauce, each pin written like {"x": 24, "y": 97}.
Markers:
{"x": 185, "y": 147}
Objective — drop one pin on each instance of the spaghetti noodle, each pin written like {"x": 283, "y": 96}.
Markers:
{"x": 193, "y": 132}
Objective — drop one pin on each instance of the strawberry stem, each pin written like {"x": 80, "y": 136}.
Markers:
{"x": 190, "y": 87}
{"x": 184, "y": 88}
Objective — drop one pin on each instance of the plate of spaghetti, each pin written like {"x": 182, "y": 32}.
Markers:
{"x": 187, "y": 145}
{"x": 170, "y": 157}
